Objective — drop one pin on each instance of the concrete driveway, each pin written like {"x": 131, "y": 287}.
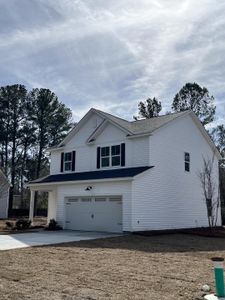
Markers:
{"x": 22, "y": 240}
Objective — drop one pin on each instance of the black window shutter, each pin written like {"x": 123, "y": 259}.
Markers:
{"x": 62, "y": 162}
{"x": 98, "y": 157}
{"x": 73, "y": 160}
{"x": 123, "y": 154}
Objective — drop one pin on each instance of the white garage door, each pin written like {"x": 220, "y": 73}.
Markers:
{"x": 94, "y": 213}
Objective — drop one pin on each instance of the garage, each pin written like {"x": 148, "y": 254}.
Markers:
{"x": 94, "y": 213}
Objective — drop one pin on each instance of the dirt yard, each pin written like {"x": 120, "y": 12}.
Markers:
{"x": 166, "y": 267}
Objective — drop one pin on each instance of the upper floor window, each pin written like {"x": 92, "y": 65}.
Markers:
{"x": 111, "y": 156}
{"x": 187, "y": 161}
{"x": 68, "y": 161}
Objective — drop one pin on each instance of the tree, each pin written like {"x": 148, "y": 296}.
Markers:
{"x": 210, "y": 191}
{"x": 12, "y": 114}
{"x": 52, "y": 120}
{"x": 29, "y": 122}
{"x": 196, "y": 98}
{"x": 218, "y": 136}
{"x": 149, "y": 108}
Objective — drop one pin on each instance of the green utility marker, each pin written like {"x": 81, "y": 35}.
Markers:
{"x": 219, "y": 280}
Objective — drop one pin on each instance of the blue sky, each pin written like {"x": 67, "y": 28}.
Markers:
{"x": 112, "y": 54}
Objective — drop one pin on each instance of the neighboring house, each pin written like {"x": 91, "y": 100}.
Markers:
{"x": 109, "y": 174}
{"x": 4, "y": 195}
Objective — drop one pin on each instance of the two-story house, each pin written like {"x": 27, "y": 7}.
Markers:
{"x": 110, "y": 174}
{"x": 4, "y": 194}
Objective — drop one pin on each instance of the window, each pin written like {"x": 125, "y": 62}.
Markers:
{"x": 115, "y": 152}
{"x": 105, "y": 157}
{"x": 100, "y": 199}
{"x": 73, "y": 200}
{"x": 111, "y": 156}
{"x": 68, "y": 161}
{"x": 187, "y": 161}
{"x": 86, "y": 199}
{"x": 115, "y": 199}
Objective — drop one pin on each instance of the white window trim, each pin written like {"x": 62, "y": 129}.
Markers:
{"x": 68, "y": 161}
{"x": 110, "y": 156}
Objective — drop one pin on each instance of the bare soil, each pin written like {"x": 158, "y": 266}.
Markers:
{"x": 166, "y": 267}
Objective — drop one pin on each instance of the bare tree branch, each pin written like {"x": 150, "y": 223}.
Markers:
{"x": 210, "y": 187}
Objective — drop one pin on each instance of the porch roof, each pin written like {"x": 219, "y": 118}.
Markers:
{"x": 94, "y": 175}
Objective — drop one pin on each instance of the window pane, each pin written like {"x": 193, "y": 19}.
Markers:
{"x": 99, "y": 199}
{"x": 187, "y": 166}
{"x": 68, "y": 166}
{"x": 187, "y": 156}
{"x": 116, "y": 161}
{"x": 116, "y": 150}
{"x": 105, "y": 151}
{"x": 68, "y": 156}
{"x": 86, "y": 199}
{"x": 105, "y": 161}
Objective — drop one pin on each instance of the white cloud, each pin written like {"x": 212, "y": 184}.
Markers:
{"x": 112, "y": 54}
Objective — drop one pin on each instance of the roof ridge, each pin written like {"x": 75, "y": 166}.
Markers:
{"x": 112, "y": 115}
{"x": 174, "y": 113}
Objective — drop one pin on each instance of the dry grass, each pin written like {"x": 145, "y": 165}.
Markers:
{"x": 167, "y": 267}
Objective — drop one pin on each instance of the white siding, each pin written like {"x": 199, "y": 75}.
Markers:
{"x": 4, "y": 203}
{"x": 166, "y": 196}
{"x": 4, "y": 195}
{"x": 55, "y": 161}
{"x": 52, "y": 200}
{"x": 137, "y": 151}
{"x": 120, "y": 188}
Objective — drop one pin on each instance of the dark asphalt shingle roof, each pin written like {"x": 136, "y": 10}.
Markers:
{"x": 94, "y": 175}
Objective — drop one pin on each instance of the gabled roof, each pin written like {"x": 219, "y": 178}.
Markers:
{"x": 94, "y": 175}
{"x": 114, "y": 120}
{"x": 145, "y": 126}
{"x": 136, "y": 128}
{"x": 133, "y": 128}
{"x": 119, "y": 121}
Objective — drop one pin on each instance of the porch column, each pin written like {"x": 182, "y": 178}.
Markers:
{"x": 31, "y": 212}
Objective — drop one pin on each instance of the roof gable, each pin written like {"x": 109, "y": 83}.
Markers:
{"x": 100, "y": 129}
{"x": 205, "y": 134}
{"x": 107, "y": 118}
{"x": 76, "y": 128}
{"x": 133, "y": 129}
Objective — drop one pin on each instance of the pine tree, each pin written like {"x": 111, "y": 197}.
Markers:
{"x": 52, "y": 120}
{"x": 12, "y": 115}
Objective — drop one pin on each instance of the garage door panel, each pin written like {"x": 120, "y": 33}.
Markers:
{"x": 95, "y": 214}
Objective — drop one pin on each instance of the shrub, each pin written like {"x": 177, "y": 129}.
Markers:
{"x": 22, "y": 224}
{"x": 52, "y": 225}
{"x": 9, "y": 225}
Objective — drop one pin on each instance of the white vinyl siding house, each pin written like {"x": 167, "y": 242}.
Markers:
{"x": 4, "y": 195}
{"x": 149, "y": 166}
